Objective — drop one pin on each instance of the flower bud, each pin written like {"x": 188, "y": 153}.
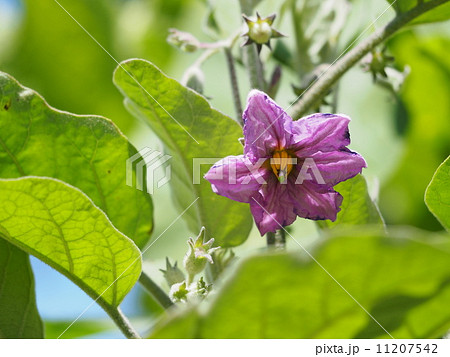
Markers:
{"x": 260, "y": 31}
{"x": 179, "y": 292}
{"x": 183, "y": 40}
{"x": 198, "y": 254}
{"x": 376, "y": 62}
{"x": 172, "y": 274}
{"x": 199, "y": 289}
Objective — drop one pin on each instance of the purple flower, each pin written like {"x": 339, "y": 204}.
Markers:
{"x": 289, "y": 167}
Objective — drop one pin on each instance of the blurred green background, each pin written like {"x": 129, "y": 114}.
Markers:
{"x": 403, "y": 138}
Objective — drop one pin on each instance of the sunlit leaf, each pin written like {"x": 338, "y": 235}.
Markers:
{"x": 19, "y": 317}
{"x": 402, "y": 280}
{"x": 87, "y": 152}
{"x": 61, "y": 226}
{"x": 440, "y": 13}
{"x": 82, "y": 328}
{"x": 190, "y": 129}
{"x": 437, "y": 196}
{"x": 181, "y": 324}
{"x": 357, "y": 207}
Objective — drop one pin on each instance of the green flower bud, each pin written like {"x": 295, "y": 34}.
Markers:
{"x": 202, "y": 288}
{"x": 376, "y": 62}
{"x": 198, "y": 290}
{"x": 183, "y": 40}
{"x": 179, "y": 292}
{"x": 173, "y": 274}
{"x": 260, "y": 31}
{"x": 198, "y": 254}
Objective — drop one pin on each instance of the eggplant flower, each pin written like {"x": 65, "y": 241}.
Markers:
{"x": 288, "y": 168}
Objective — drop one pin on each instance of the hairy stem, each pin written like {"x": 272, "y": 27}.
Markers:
{"x": 122, "y": 322}
{"x": 319, "y": 89}
{"x": 270, "y": 237}
{"x": 304, "y": 64}
{"x": 159, "y": 295}
{"x": 276, "y": 240}
{"x": 234, "y": 86}
{"x": 254, "y": 67}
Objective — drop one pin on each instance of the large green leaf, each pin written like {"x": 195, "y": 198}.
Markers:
{"x": 440, "y": 13}
{"x": 87, "y": 152}
{"x": 357, "y": 207}
{"x": 61, "y": 226}
{"x": 403, "y": 280}
{"x": 190, "y": 129}
{"x": 437, "y": 195}
{"x": 19, "y": 317}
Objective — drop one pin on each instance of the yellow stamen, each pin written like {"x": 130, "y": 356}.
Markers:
{"x": 281, "y": 164}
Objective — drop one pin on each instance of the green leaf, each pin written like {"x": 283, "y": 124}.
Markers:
{"x": 190, "y": 129}
{"x": 88, "y": 152}
{"x": 82, "y": 328}
{"x": 60, "y": 225}
{"x": 440, "y": 13}
{"x": 181, "y": 324}
{"x": 403, "y": 280}
{"x": 357, "y": 207}
{"x": 19, "y": 317}
{"x": 437, "y": 195}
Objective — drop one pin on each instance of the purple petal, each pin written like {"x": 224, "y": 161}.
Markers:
{"x": 237, "y": 178}
{"x": 273, "y": 207}
{"x": 320, "y": 132}
{"x": 264, "y": 126}
{"x": 315, "y": 205}
{"x": 338, "y": 166}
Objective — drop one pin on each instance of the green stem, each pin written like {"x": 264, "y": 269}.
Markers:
{"x": 320, "y": 88}
{"x": 234, "y": 86}
{"x": 159, "y": 295}
{"x": 280, "y": 239}
{"x": 250, "y": 54}
{"x": 276, "y": 240}
{"x": 270, "y": 237}
{"x": 335, "y": 102}
{"x": 254, "y": 67}
{"x": 122, "y": 322}
{"x": 304, "y": 64}
{"x": 190, "y": 279}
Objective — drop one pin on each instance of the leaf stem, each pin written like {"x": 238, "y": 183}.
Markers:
{"x": 234, "y": 86}
{"x": 122, "y": 322}
{"x": 320, "y": 88}
{"x": 154, "y": 290}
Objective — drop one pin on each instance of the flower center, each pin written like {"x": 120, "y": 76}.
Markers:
{"x": 281, "y": 163}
